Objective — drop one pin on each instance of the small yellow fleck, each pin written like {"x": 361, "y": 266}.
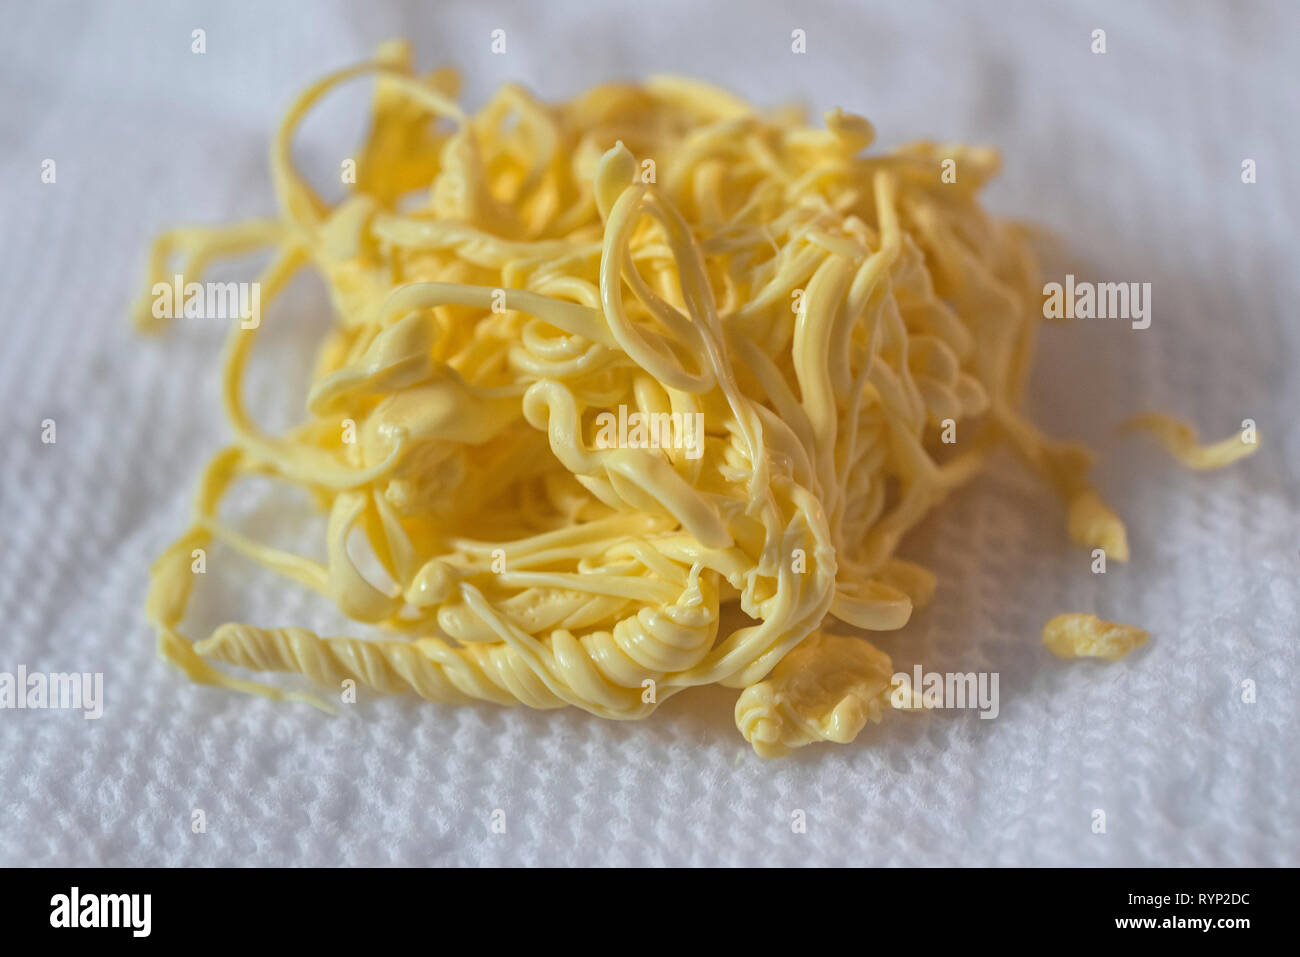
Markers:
{"x": 1087, "y": 636}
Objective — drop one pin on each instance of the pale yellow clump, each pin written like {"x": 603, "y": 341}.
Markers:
{"x": 826, "y": 689}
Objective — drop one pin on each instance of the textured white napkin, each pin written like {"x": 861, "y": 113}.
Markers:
{"x": 1133, "y": 157}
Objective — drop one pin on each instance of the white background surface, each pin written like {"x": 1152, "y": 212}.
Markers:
{"x": 1132, "y": 157}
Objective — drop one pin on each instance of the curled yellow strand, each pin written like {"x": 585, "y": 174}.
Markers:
{"x": 1182, "y": 442}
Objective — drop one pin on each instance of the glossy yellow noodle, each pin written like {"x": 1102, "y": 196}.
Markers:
{"x": 501, "y": 279}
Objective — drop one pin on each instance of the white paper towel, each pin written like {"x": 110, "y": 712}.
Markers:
{"x": 1133, "y": 157}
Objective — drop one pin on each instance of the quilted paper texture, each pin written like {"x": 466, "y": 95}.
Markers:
{"x": 1133, "y": 158}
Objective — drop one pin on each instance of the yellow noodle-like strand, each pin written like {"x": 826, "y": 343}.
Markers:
{"x": 1182, "y": 442}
